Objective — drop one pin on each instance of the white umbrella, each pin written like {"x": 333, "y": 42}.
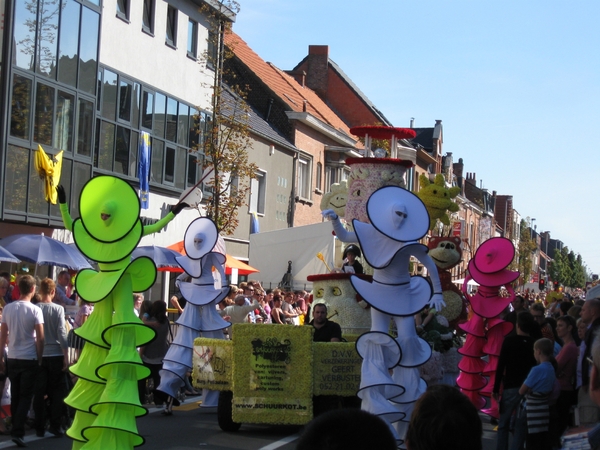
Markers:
{"x": 462, "y": 281}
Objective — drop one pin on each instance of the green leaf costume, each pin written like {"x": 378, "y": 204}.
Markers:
{"x": 106, "y": 396}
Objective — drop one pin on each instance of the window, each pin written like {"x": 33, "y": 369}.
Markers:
{"x": 123, "y": 9}
{"x": 304, "y": 179}
{"x": 171, "y": 37}
{"x": 319, "y": 177}
{"x": 212, "y": 50}
{"x": 258, "y": 193}
{"x": 44, "y": 114}
{"x": 109, "y": 95}
{"x": 148, "y": 16}
{"x": 192, "y": 43}
{"x": 20, "y": 121}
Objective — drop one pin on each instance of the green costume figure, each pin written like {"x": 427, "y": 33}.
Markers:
{"x": 106, "y": 397}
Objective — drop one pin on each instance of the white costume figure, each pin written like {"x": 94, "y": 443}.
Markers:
{"x": 398, "y": 220}
{"x": 200, "y": 313}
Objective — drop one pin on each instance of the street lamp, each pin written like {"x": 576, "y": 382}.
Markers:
{"x": 531, "y": 229}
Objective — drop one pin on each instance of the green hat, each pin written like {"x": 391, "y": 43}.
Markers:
{"x": 106, "y": 252}
{"x": 109, "y": 208}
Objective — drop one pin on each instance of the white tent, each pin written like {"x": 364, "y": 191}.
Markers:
{"x": 270, "y": 252}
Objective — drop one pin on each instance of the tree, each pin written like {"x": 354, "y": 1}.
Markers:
{"x": 527, "y": 247}
{"x": 228, "y": 141}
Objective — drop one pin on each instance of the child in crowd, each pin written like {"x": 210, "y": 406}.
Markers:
{"x": 538, "y": 389}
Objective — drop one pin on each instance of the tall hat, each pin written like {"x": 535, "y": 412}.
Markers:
{"x": 398, "y": 213}
{"x": 494, "y": 255}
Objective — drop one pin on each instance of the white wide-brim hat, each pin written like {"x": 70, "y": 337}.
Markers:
{"x": 387, "y": 203}
{"x": 207, "y": 229}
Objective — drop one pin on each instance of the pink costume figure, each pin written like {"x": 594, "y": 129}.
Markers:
{"x": 485, "y": 330}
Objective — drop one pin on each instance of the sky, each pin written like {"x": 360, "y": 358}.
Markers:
{"x": 516, "y": 84}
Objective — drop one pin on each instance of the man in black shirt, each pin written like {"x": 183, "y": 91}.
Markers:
{"x": 325, "y": 330}
{"x": 515, "y": 361}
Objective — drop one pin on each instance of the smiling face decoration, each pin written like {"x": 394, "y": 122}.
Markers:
{"x": 336, "y": 199}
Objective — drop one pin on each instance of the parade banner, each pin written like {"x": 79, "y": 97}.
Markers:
{"x": 336, "y": 368}
{"x": 212, "y": 362}
{"x": 272, "y": 379}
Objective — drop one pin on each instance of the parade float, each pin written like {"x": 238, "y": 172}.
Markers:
{"x": 273, "y": 374}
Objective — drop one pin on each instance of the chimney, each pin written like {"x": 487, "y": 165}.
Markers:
{"x": 299, "y": 76}
{"x": 317, "y": 69}
{"x": 412, "y": 122}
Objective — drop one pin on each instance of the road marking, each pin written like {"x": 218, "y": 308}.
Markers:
{"x": 281, "y": 442}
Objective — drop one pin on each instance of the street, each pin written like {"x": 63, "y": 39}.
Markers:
{"x": 191, "y": 428}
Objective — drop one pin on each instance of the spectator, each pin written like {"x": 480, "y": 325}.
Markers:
{"x": 138, "y": 298}
{"x": 84, "y": 311}
{"x": 5, "y": 288}
{"x": 539, "y": 314}
{"x": 153, "y": 353}
{"x": 575, "y": 312}
{"x": 444, "y": 418}
{"x": 567, "y": 368}
{"x": 239, "y": 310}
{"x": 62, "y": 296}
{"x": 589, "y": 413}
{"x": 564, "y": 307}
{"x": 325, "y": 330}
{"x": 291, "y": 316}
{"x": 518, "y": 305}
{"x": 594, "y": 390}
{"x": 51, "y": 378}
{"x": 515, "y": 361}
{"x": 537, "y": 389}
{"x": 276, "y": 312}
{"x": 345, "y": 429}
{"x": 23, "y": 329}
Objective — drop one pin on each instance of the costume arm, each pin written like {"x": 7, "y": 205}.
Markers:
{"x": 66, "y": 217}
{"x": 437, "y": 300}
{"x": 156, "y": 227}
{"x": 341, "y": 232}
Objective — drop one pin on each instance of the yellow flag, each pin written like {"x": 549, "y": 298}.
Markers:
{"x": 49, "y": 170}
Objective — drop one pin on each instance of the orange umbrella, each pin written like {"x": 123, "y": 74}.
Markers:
{"x": 230, "y": 263}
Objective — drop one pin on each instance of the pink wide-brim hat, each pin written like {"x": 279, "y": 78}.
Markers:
{"x": 499, "y": 278}
{"x": 494, "y": 255}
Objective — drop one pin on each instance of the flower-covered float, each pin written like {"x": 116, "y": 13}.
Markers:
{"x": 271, "y": 373}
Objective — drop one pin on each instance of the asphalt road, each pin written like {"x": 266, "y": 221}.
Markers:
{"x": 192, "y": 428}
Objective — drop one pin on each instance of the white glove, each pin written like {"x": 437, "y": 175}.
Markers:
{"x": 329, "y": 214}
{"x": 437, "y": 302}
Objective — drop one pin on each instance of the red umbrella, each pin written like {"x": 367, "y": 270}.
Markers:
{"x": 230, "y": 263}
